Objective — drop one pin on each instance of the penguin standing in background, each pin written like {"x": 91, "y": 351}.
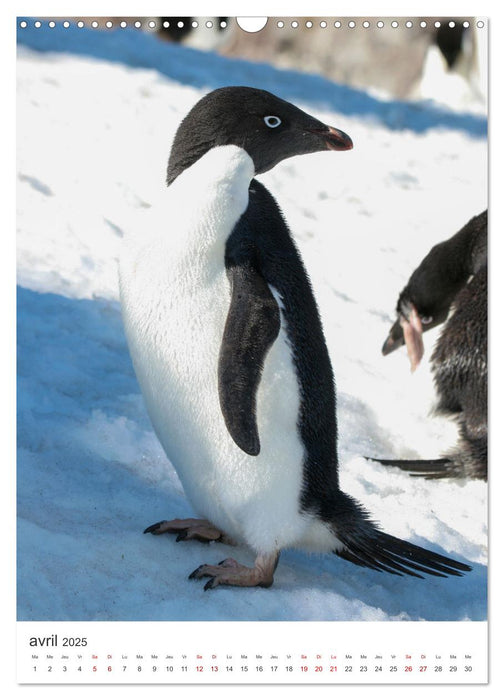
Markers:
{"x": 451, "y": 278}
{"x": 228, "y": 348}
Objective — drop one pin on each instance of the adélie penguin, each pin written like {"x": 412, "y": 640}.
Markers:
{"x": 228, "y": 348}
{"x": 450, "y": 287}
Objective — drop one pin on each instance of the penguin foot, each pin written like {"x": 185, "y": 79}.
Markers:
{"x": 189, "y": 529}
{"x": 230, "y": 573}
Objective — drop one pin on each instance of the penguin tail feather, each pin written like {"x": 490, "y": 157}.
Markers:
{"x": 442, "y": 468}
{"x": 384, "y": 552}
{"x": 366, "y": 545}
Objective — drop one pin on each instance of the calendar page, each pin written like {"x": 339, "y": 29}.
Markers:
{"x": 252, "y": 350}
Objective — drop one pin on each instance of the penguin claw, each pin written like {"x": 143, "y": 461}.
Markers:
{"x": 188, "y": 529}
{"x": 155, "y": 529}
{"x": 213, "y": 571}
{"x": 230, "y": 573}
{"x": 196, "y": 572}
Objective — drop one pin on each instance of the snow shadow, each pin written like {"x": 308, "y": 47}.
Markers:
{"x": 209, "y": 70}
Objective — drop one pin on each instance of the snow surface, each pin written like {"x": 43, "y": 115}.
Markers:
{"x": 96, "y": 115}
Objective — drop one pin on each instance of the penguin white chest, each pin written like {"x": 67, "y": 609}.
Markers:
{"x": 175, "y": 297}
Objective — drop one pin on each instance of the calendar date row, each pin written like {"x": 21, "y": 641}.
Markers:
{"x": 138, "y": 668}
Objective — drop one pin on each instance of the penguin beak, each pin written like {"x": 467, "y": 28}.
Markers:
{"x": 335, "y": 139}
{"x": 394, "y": 340}
{"x": 407, "y": 330}
{"x": 338, "y": 141}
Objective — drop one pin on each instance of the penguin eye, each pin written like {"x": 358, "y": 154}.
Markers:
{"x": 426, "y": 319}
{"x": 272, "y": 121}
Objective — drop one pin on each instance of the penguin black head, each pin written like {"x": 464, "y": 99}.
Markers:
{"x": 425, "y": 301}
{"x": 268, "y": 128}
{"x": 431, "y": 310}
{"x": 433, "y": 287}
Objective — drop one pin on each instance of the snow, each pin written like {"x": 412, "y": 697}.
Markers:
{"x": 96, "y": 115}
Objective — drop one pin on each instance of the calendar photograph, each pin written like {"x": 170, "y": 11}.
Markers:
{"x": 251, "y": 321}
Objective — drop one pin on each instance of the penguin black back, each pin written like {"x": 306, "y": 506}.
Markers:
{"x": 459, "y": 364}
{"x": 262, "y": 236}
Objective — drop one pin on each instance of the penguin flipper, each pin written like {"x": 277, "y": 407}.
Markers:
{"x": 252, "y": 325}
